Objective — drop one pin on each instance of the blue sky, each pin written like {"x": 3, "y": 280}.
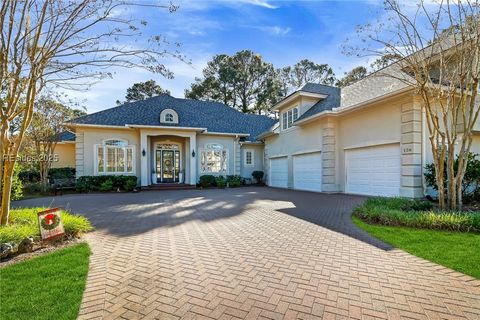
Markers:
{"x": 283, "y": 32}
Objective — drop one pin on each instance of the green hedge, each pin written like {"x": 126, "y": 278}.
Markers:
{"x": 416, "y": 214}
{"x": 106, "y": 183}
{"x": 208, "y": 180}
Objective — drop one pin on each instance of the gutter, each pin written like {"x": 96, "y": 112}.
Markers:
{"x": 164, "y": 127}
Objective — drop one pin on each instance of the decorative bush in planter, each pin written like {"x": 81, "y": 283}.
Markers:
{"x": 258, "y": 176}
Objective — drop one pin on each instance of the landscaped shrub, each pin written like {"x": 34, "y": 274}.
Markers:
{"x": 207, "y": 180}
{"x": 61, "y": 173}
{"x": 106, "y": 186}
{"x": 417, "y": 205}
{"x": 106, "y": 183}
{"x": 471, "y": 180}
{"x": 234, "y": 181}
{"x": 130, "y": 185}
{"x": 258, "y": 176}
{"x": 29, "y": 175}
{"x": 24, "y": 223}
{"x": 32, "y": 188}
{"x": 220, "y": 181}
{"x": 390, "y": 212}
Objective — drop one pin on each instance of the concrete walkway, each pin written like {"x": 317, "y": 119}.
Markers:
{"x": 253, "y": 253}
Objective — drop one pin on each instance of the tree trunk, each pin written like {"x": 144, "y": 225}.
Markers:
{"x": 451, "y": 181}
{"x": 7, "y": 190}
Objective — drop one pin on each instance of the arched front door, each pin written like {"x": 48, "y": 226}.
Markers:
{"x": 167, "y": 163}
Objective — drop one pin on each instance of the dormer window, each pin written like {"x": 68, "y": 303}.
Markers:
{"x": 289, "y": 117}
{"x": 169, "y": 116}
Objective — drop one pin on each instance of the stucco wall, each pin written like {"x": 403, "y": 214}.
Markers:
{"x": 93, "y": 136}
{"x": 378, "y": 124}
{"x": 294, "y": 140}
{"x": 66, "y": 155}
{"x": 228, "y": 142}
{"x": 246, "y": 170}
{"x": 476, "y": 144}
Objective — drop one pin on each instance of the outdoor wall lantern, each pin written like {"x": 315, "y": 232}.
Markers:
{"x": 143, "y": 152}
{"x": 193, "y": 153}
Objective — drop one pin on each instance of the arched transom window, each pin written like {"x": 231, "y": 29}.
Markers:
{"x": 114, "y": 156}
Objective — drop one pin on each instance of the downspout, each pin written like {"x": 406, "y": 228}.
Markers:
{"x": 235, "y": 155}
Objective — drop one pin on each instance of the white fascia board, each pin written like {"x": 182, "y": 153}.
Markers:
{"x": 295, "y": 95}
{"x": 165, "y": 127}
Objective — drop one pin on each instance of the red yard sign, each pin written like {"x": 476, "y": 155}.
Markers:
{"x": 50, "y": 224}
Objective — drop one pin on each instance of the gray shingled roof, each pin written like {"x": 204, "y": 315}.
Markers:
{"x": 331, "y": 101}
{"x": 65, "y": 136}
{"x": 214, "y": 116}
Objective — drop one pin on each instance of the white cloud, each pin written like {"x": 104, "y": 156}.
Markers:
{"x": 261, "y": 3}
{"x": 276, "y": 30}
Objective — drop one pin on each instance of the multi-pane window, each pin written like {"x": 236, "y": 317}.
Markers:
{"x": 214, "y": 159}
{"x": 169, "y": 117}
{"x": 289, "y": 117}
{"x": 249, "y": 157}
{"x": 114, "y": 156}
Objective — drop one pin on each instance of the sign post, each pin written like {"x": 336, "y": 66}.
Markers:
{"x": 50, "y": 223}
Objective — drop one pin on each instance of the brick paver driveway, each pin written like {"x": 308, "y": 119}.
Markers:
{"x": 253, "y": 253}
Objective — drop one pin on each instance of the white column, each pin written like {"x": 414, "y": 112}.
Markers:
{"x": 193, "y": 160}
{"x": 144, "y": 159}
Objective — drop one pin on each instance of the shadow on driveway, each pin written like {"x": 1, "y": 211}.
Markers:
{"x": 127, "y": 214}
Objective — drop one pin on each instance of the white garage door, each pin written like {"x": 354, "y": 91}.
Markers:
{"x": 307, "y": 172}
{"x": 373, "y": 170}
{"x": 279, "y": 172}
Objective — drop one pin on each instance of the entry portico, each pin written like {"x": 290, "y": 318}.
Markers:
{"x": 159, "y": 146}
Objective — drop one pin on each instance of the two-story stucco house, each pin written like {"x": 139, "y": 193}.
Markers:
{"x": 368, "y": 138}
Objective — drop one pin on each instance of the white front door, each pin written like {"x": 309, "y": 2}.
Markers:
{"x": 279, "y": 172}
{"x": 307, "y": 172}
{"x": 373, "y": 170}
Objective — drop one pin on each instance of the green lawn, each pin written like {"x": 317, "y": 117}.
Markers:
{"x": 47, "y": 287}
{"x": 456, "y": 250}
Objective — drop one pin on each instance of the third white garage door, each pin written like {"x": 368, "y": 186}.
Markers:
{"x": 307, "y": 172}
{"x": 373, "y": 170}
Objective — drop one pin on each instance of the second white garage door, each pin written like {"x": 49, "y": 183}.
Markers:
{"x": 373, "y": 170}
{"x": 279, "y": 172}
{"x": 307, "y": 172}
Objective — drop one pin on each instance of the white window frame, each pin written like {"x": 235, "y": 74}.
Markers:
{"x": 104, "y": 147}
{"x": 252, "y": 153}
{"x": 289, "y": 117}
{"x": 212, "y": 147}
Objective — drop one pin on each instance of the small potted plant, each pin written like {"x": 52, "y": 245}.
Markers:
{"x": 180, "y": 176}
{"x": 154, "y": 176}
